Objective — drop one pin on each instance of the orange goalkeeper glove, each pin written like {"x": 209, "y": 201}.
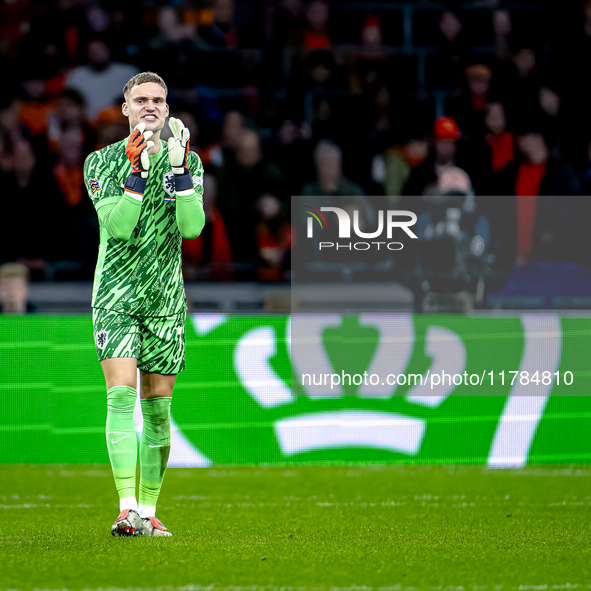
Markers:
{"x": 137, "y": 150}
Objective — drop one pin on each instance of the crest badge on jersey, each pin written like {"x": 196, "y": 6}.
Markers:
{"x": 197, "y": 181}
{"x": 168, "y": 186}
{"x": 94, "y": 185}
{"x": 102, "y": 338}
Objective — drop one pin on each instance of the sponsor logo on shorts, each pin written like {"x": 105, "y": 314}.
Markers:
{"x": 94, "y": 185}
{"x": 102, "y": 338}
{"x": 168, "y": 186}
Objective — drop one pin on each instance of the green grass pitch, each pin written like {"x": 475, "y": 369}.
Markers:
{"x": 303, "y": 529}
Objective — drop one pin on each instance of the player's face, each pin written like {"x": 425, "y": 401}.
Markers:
{"x": 146, "y": 103}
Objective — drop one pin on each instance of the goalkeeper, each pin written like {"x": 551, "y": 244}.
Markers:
{"x": 148, "y": 195}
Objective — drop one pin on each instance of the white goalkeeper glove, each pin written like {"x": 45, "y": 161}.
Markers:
{"x": 178, "y": 146}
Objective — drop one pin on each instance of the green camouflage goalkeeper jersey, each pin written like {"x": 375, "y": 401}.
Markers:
{"x": 141, "y": 276}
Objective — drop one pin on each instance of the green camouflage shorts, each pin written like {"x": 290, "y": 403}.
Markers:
{"x": 158, "y": 343}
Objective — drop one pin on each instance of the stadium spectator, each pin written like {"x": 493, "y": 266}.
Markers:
{"x": 69, "y": 111}
{"x": 290, "y": 149}
{"x": 239, "y": 185}
{"x": 284, "y": 20}
{"x": 319, "y": 70}
{"x": 452, "y": 180}
{"x": 27, "y": 183}
{"x": 34, "y": 109}
{"x": 171, "y": 32}
{"x": 125, "y": 38}
{"x": 232, "y": 129}
{"x": 101, "y": 80}
{"x": 69, "y": 114}
{"x": 521, "y": 85}
{"x": 393, "y": 97}
{"x": 222, "y": 32}
{"x": 445, "y": 69}
{"x": 468, "y": 109}
{"x": 498, "y": 138}
{"x": 383, "y": 123}
{"x": 76, "y": 225}
{"x": 10, "y": 132}
{"x": 372, "y": 45}
{"x": 273, "y": 236}
{"x": 393, "y": 119}
{"x": 209, "y": 256}
{"x": 174, "y": 48}
{"x": 539, "y": 171}
{"x": 311, "y": 94}
{"x": 68, "y": 170}
{"x": 502, "y": 27}
{"x": 368, "y": 60}
{"x": 14, "y": 289}
{"x": 314, "y": 33}
{"x": 221, "y": 65}
{"x": 393, "y": 168}
{"x": 111, "y": 126}
{"x": 53, "y": 40}
{"x": 538, "y": 221}
{"x": 446, "y": 134}
{"x": 330, "y": 180}
{"x": 97, "y": 21}
{"x": 450, "y": 26}
{"x": 332, "y": 183}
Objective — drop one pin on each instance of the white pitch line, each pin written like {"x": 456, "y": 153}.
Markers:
{"x": 398, "y": 587}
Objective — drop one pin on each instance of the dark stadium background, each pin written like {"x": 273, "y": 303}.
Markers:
{"x": 475, "y": 115}
{"x": 371, "y": 78}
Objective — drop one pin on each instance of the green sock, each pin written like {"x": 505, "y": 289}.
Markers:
{"x": 121, "y": 438}
{"x": 154, "y": 448}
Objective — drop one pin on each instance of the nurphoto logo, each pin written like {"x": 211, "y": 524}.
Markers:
{"x": 386, "y": 221}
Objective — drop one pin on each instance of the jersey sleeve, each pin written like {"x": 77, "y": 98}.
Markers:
{"x": 118, "y": 212}
{"x": 196, "y": 170}
{"x": 101, "y": 185}
{"x": 189, "y": 205}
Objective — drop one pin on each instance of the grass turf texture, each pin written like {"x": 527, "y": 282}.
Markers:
{"x": 306, "y": 528}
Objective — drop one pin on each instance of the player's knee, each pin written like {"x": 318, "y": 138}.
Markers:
{"x": 121, "y": 398}
{"x": 162, "y": 412}
{"x": 157, "y": 409}
{"x": 122, "y": 383}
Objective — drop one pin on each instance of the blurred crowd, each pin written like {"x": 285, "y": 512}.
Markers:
{"x": 292, "y": 97}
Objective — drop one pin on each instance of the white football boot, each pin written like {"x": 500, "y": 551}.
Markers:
{"x": 152, "y": 527}
{"x": 128, "y": 523}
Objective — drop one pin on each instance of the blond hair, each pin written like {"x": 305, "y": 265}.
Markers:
{"x": 11, "y": 270}
{"x": 142, "y": 78}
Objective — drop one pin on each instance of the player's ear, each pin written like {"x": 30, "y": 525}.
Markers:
{"x": 124, "y": 109}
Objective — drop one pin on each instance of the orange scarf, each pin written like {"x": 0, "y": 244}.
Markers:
{"x": 527, "y": 189}
{"x": 70, "y": 182}
{"x": 501, "y": 147}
